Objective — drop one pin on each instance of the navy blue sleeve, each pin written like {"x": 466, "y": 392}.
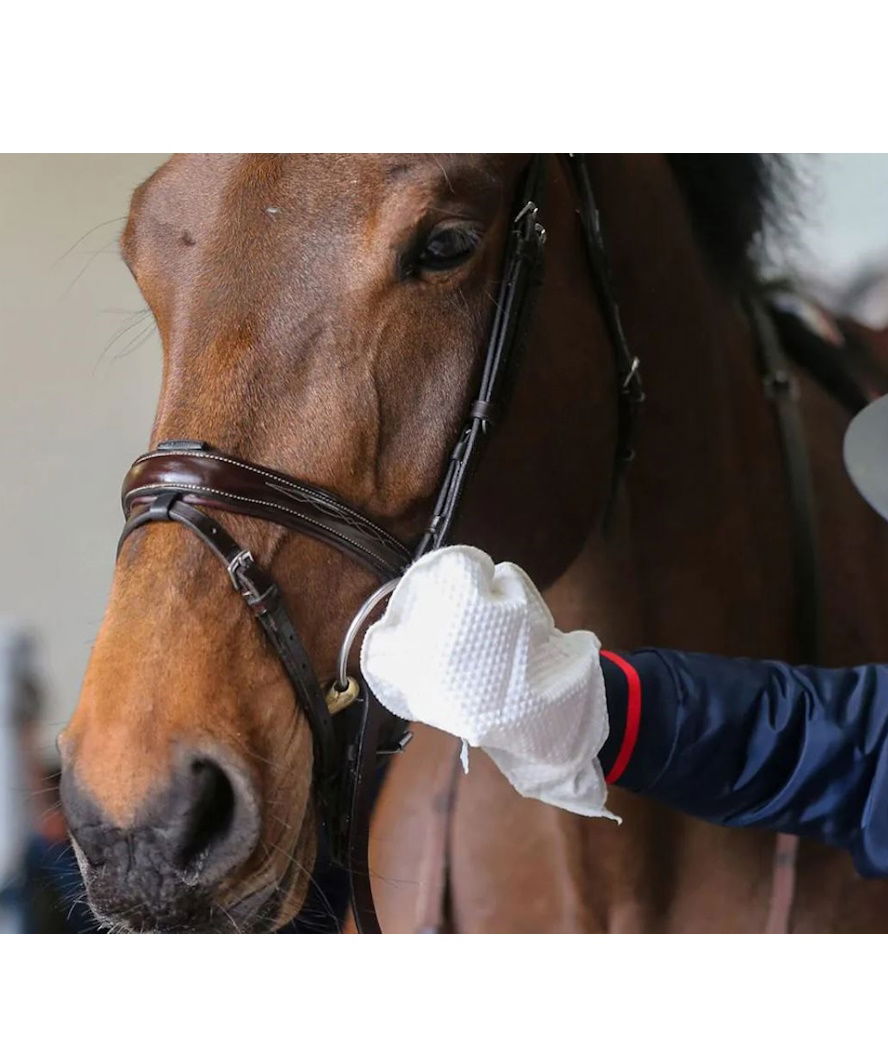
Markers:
{"x": 738, "y": 742}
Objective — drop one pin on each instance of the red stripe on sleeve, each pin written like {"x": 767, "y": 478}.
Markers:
{"x": 633, "y": 716}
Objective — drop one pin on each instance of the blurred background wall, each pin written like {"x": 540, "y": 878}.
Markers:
{"x": 81, "y": 367}
{"x": 839, "y": 244}
{"x": 76, "y": 400}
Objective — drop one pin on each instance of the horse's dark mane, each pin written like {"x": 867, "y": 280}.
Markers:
{"x": 734, "y": 199}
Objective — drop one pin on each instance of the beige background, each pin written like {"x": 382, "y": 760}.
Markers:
{"x": 76, "y": 400}
{"x": 81, "y": 366}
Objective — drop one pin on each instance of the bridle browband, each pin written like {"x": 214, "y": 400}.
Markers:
{"x": 180, "y": 478}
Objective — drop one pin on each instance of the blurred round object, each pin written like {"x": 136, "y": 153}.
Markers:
{"x": 866, "y": 454}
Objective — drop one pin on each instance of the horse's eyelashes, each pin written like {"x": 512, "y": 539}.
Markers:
{"x": 444, "y": 248}
{"x": 450, "y": 245}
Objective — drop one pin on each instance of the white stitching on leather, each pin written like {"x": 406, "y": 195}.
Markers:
{"x": 252, "y": 500}
{"x": 258, "y": 471}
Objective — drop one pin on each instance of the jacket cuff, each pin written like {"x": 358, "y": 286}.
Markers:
{"x": 641, "y": 710}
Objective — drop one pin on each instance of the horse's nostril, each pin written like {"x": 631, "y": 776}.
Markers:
{"x": 211, "y": 815}
{"x": 217, "y": 822}
{"x": 184, "y": 838}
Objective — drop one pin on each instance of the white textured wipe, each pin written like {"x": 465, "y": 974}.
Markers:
{"x": 471, "y": 648}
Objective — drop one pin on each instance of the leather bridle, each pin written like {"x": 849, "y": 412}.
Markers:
{"x": 180, "y": 478}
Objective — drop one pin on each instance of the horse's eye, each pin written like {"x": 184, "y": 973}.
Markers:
{"x": 447, "y": 247}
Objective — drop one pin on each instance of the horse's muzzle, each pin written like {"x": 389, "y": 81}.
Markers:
{"x": 164, "y": 871}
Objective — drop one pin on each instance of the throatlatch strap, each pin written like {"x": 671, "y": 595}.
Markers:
{"x": 630, "y": 391}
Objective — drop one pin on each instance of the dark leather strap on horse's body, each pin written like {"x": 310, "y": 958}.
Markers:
{"x": 843, "y": 366}
{"x": 782, "y": 389}
{"x": 627, "y": 366}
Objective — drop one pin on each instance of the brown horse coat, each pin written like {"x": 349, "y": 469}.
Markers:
{"x": 297, "y": 335}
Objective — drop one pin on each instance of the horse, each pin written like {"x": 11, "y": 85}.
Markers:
{"x": 324, "y": 315}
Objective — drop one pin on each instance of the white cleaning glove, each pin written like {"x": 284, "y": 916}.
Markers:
{"x": 471, "y": 648}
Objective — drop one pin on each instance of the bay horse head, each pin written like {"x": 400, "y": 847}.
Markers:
{"x": 325, "y": 316}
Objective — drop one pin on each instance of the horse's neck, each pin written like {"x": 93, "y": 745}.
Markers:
{"x": 698, "y": 537}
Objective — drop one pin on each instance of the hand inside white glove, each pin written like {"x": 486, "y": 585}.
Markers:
{"x": 472, "y": 649}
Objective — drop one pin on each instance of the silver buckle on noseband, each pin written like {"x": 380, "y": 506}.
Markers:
{"x": 240, "y": 562}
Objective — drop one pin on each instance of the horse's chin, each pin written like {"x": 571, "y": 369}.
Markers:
{"x": 260, "y": 910}
{"x": 263, "y": 911}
